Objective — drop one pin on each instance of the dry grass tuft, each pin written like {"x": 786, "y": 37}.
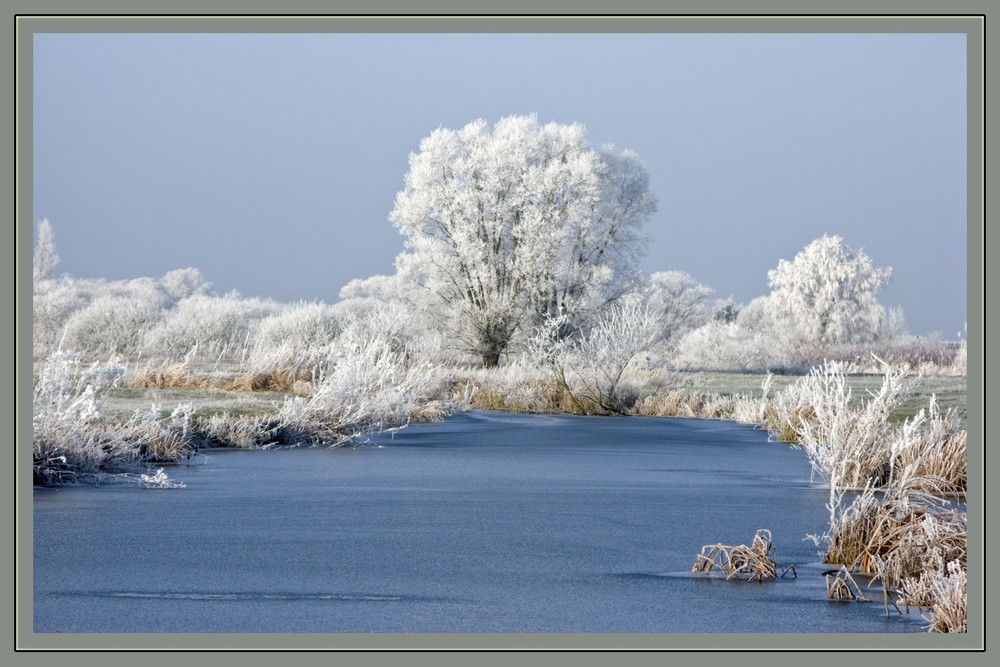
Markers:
{"x": 840, "y": 585}
{"x": 177, "y": 376}
{"x": 897, "y": 538}
{"x": 270, "y": 380}
{"x": 949, "y": 590}
{"x": 915, "y": 544}
{"x": 753, "y": 562}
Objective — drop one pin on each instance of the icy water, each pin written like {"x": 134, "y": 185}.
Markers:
{"x": 481, "y": 523}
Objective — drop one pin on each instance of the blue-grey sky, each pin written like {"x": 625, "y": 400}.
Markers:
{"x": 271, "y": 162}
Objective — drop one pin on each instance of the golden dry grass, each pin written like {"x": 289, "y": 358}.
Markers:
{"x": 915, "y": 545}
{"x": 840, "y": 585}
{"x": 179, "y": 376}
{"x": 754, "y": 562}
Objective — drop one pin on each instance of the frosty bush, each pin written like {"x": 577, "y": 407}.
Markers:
{"x": 720, "y": 346}
{"x": 208, "y": 328}
{"x": 854, "y": 444}
{"x": 179, "y": 284}
{"x": 112, "y": 325}
{"x": 56, "y": 302}
{"x": 376, "y": 379}
{"x": 591, "y": 368}
{"x": 53, "y": 303}
{"x": 297, "y": 339}
{"x": 72, "y": 444}
{"x": 681, "y": 303}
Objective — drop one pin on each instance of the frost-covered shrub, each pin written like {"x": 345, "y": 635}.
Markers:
{"x": 297, "y": 340}
{"x": 56, "y": 302}
{"x": 181, "y": 283}
{"x": 111, "y": 325}
{"x": 848, "y": 444}
{"x": 376, "y": 379}
{"x": 396, "y": 324}
{"x": 147, "y": 290}
{"x": 71, "y": 442}
{"x": 719, "y": 346}
{"x": 853, "y": 444}
{"x": 53, "y": 303}
{"x": 592, "y": 367}
{"x": 208, "y": 328}
{"x": 302, "y": 323}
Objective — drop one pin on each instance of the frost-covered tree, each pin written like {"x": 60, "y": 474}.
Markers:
{"x": 825, "y": 296}
{"x": 680, "y": 301}
{"x": 509, "y": 225}
{"x": 45, "y": 258}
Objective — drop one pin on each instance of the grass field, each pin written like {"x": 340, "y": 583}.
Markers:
{"x": 951, "y": 392}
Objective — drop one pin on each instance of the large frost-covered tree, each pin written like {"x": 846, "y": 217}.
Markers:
{"x": 509, "y": 225}
{"x": 827, "y": 295}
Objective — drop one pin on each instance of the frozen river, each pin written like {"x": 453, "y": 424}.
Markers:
{"x": 481, "y": 523}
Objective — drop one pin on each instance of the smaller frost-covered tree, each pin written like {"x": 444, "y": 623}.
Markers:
{"x": 45, "y": 257}
{"x": 679, "y": 300}
{"x": 827, "y": 296}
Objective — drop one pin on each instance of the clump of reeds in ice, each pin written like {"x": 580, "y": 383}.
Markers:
{"x": 905, "y": 536}
{"x": 753, "y": 562}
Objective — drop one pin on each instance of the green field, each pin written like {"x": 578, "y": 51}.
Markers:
{"x": 123, "y": 402}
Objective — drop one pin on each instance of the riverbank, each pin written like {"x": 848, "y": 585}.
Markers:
{"x": 858, "y": 432}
